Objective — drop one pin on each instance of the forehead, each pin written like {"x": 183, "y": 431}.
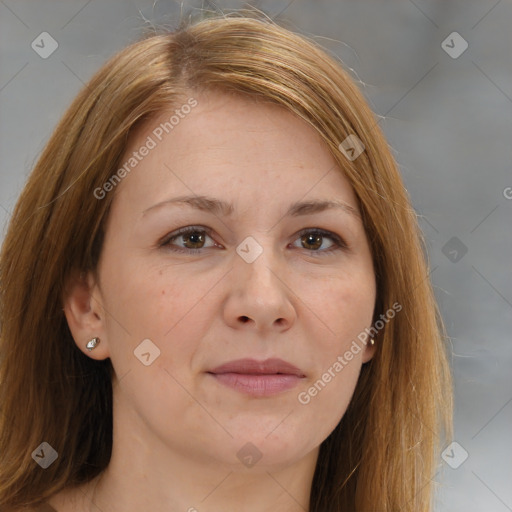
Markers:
{"x": 231, "y": 147}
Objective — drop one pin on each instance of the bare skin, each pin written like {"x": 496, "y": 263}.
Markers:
{"x": 178, "y": 428}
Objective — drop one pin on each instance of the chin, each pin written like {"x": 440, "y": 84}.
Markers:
{"x": 266, "y": 450}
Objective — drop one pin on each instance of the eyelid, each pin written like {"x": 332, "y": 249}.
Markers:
{"x": 337, "y": 239}
{"x": 163, "y": 242}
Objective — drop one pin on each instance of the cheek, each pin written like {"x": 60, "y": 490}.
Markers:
{"x": 324, "y": 402}
{"x": 171, "y": 309}
{"x": 151, "y": 300}
{"x": 345, "y": 307}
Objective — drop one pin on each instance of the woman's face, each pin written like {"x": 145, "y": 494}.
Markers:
{"x": 266, "y": 273}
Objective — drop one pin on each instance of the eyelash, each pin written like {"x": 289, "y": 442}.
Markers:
{"x": 339, "y": 243}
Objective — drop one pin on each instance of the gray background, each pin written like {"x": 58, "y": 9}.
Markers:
{"x": 447, "y": 119}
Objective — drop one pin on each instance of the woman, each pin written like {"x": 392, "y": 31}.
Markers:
{"x": 214, "y": 295}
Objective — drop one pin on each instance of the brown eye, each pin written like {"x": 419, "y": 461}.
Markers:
{"x": 312, "y": 241}
{"x": 193, "y": 240}
{"x": 189, "y": 239}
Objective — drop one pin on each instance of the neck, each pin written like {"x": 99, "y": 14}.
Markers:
{"x": 146, "y": 473}
{"x": 189, "y": 487}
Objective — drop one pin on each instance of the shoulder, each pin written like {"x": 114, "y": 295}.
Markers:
{"x": 67, "y": 500}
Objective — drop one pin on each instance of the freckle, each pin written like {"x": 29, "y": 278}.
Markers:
{"x": 163, "y": 292}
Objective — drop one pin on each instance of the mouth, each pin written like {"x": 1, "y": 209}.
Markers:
{"x": 258, "y": 378}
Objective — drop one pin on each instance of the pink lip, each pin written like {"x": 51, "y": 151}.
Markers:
{"x": 258, "y": 378}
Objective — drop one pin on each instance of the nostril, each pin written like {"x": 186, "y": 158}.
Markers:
{"x": 244, "y": 319}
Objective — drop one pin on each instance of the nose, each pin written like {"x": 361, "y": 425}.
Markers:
{"x": 259, "y": 298}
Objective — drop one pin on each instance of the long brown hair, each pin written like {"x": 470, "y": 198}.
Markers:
{"x": 383, "y": 454}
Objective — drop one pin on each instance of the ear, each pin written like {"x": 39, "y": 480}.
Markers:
{"x": 85, "y": 314}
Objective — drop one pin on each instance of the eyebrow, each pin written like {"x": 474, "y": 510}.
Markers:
{"x": 222, "y": 208}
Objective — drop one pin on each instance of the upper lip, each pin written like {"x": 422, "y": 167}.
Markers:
{"x": 254, "y": 367}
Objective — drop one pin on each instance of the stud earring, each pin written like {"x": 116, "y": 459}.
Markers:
{"x": 92, "y": 344}
{"x": 372, "y": 342}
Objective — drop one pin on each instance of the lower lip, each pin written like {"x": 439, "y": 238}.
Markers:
{"x": 258, "y": 385}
